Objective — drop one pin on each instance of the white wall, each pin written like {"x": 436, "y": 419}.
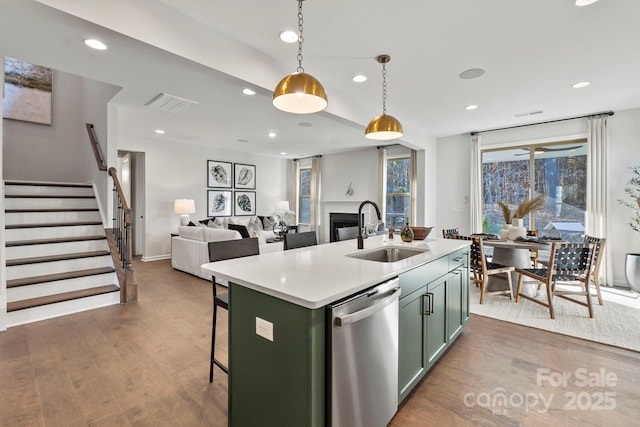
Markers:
{"x": 624, "y": 152}
{"x": 175, "y": 170}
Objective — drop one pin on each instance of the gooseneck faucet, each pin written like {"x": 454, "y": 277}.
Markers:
{"x": 360, "y": 239}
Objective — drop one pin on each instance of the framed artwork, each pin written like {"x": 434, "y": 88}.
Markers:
{"x": 219, "y": 174}
{"x": 219, "y": 203}
{"x": 244, "y": 203}
{"x": 245, "y": 176}
{"x": 27, "y": 91}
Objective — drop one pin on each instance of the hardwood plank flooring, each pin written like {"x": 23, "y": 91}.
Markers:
{"x": 147, "y": 364}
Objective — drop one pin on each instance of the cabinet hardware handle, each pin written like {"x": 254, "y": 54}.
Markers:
{"x": 458, "y": 259}
{"x": 431, "y": 298}
{"x": 428, "y": 305}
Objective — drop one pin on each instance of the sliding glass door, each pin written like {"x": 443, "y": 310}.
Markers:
{"x": 559, "y": 171}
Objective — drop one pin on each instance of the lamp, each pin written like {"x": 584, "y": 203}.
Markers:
{"x": 299, "y": 92}
{"x": 184, "y": 207}
{"x": 383, "y": 127}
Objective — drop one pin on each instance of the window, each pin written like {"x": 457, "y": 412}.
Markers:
{"x": 304, "y": 195}
{"x": 559, "y": 171}
{"x": 397, "y": 194}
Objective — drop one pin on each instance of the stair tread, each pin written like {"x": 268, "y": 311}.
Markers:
{"x": 52, "y": 224}
{"x": 51, "y": 258}
{"x": 47, "y": 196}
{"x": 24, "y": 281}
{"x": 48, "y": 184}
{"x": 51, "y": 210}
{"x": 56, "y": 240}
{"x": 65, "y": 296}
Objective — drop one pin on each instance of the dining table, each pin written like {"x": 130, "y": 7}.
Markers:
{"x": 514, "y": 253}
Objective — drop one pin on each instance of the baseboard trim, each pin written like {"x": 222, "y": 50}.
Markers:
{"x": 155, "y": 257}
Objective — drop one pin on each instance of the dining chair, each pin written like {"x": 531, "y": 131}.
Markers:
{"x": 482, "y": 268}
{"x": 220, "y": 251}
{"x": 300, "y": 240}
{"x": 598, "y": 248}
{"x": 346, "y": 233}
{"x": 533, "y": 252}
{"x": 448, "y": 233}
{"x": 569, "y": 263}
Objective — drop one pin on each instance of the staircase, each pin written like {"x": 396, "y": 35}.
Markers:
{"x": 58, "y": 258}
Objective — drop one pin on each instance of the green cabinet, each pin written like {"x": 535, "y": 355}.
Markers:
{"x": 434, "y": 307}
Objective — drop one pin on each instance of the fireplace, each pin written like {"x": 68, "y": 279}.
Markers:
{"x": 340, "y": 219}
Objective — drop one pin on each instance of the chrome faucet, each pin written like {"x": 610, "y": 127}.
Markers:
{"x": 360, "y": 238}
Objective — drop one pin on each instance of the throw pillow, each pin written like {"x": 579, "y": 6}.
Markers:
{"x": 241, "y": 229}
{"x": 268, "y": 223}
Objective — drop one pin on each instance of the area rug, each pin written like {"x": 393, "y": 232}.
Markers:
{"x": 612, "y": 323}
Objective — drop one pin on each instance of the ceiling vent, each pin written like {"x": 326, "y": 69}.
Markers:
{"x": 170, "y": 103}
{"x": 531, "y": 113}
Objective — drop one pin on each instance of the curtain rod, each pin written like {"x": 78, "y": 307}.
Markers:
{"x": 385, "y": 146}
{"x": 309, "y": 157}
{"x": 604, "y": 113}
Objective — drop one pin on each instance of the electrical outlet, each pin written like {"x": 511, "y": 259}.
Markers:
{"x": 264, "y": 329}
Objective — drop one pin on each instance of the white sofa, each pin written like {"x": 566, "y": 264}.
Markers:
{"x": 189, "y": 250}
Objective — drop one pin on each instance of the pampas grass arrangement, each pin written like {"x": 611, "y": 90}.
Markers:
{"x": 523, "y": 209}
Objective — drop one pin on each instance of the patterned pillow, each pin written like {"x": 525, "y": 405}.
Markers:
{"x": 268, "y": 222}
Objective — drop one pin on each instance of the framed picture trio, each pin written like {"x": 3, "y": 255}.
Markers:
{"x": 228, "y": 182}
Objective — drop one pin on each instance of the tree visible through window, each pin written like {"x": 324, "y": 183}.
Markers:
{"x": 304, "y": 196}
{"x": 398, "y": 198}
{"x": 557, "y": 171}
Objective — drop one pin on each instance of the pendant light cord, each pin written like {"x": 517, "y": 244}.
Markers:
{"x": 384, "y": 89}
{"x": 300, "y": 37}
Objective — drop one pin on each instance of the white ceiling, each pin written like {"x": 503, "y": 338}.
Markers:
{"x": 208, "y": 50}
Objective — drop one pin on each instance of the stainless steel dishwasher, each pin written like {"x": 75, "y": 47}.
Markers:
{"x": 364, "y": 357}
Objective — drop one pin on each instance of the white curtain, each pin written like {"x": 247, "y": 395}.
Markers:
{"x": 315, "y": 194}
{"x": 413, "y": 186}
{"x": 382, "y": 182}
{"x": 293, "y": 189}
{"x": 597, "y": 145}
{"x": 475, "y": 196}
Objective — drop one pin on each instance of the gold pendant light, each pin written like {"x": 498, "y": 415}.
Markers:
{"x": 299, "y": 92}
{"x": 384, "y": 127}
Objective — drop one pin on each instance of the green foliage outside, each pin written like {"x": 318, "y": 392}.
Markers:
{"x": 633, "y": 191}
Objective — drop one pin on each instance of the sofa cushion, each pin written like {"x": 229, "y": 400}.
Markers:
{"x": 239, "y": 228}
{"x": 268, "y": 222}
{"x": 219, "y": 234}
{"x": 193, "y": 233}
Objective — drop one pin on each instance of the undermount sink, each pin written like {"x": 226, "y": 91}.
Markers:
{"x": 387, "y": 254}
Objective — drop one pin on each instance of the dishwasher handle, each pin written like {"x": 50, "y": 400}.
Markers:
{"x": 370, "y": 310}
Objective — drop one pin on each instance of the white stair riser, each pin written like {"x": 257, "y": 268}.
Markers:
{"x": 47, "y": 190}
{"x": 20, "y": 234}
{"x": 50, "y": 204}
{"x": 32, "y": 251}
{"x": 59, "y": 286}
{"x": 47, "y": 217}
{"x": 49, "y": 311}
{"x": 55, "y": 267}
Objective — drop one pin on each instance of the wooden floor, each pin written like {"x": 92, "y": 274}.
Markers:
{"x": 146, "y": 364}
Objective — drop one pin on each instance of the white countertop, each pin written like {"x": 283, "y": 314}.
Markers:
{"x": 315, "y": 276}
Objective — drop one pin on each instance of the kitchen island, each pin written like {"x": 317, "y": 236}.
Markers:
{"x": 279, "y": 330}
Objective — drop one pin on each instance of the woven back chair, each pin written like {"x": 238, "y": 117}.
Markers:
{"x": 448, "y": 233}
{"x": 598, "y": 248}
{"x": 482, "y": 269}
{"x": 569, "y": 263}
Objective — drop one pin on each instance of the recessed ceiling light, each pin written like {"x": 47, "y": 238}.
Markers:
{"x": 248, "y": 91}
{"x": 95, "y": 44}
{"x": 470, "y": 107}
{"x": 272, "y": 134}
{"x": 471, "y": 73}
{"x": 283, "y": 153}
{"x": 289, "y": 36}
{"x": 580, "y": 84}
{"x": 585, "y": 2}
{"x": 159, "y": 131}
{"x": 359, "y": 78}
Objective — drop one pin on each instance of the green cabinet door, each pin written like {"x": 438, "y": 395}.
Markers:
{"x": 411, "y": 345}
{"x": 455, "y": 317}
{"x": 436, "y": 340}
